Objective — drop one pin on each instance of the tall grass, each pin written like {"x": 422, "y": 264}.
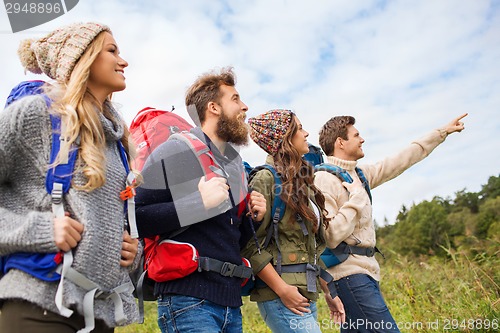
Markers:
{"x": 436, "y": 295}
{"x": 458, "y": 294}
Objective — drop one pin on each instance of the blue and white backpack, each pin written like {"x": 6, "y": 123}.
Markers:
{"x": 55, "y": 267}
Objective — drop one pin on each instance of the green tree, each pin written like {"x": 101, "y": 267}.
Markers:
{"x": 462, "y": 223}
{"x": 489, "y": 215}
{"x": 468, "y": 200}
{"x": 403, "y": 212}
{"x": 446, "y": 203}
{"x": 491, "y": 190}
{"x": 423, "y": 230}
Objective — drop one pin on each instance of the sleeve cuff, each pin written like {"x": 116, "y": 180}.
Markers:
{"x": 259, "y": 261}
{"x": 443, "y": 133}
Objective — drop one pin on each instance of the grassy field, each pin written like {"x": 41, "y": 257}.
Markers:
{"x": 459, "y": 294}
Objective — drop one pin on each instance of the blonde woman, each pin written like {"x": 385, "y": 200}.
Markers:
{"x": 86, "y": 67}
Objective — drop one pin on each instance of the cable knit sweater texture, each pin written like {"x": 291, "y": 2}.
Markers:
{"x": 26, "y": 222}
{"x": 351, "y": 213}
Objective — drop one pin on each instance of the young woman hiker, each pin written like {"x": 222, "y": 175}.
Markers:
{"x": 286, "y": 289}
{"x": 94, "y": 292}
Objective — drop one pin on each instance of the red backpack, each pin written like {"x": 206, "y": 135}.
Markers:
{"x": 151, "y": 127}
{"x": 165, "y": 259}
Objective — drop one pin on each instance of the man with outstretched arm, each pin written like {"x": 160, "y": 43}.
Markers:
{"x": 350, "y": 209}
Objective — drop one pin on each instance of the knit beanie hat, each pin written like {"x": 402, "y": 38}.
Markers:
{"x": 268, "y": 129}
{"x": 57, "y": 53}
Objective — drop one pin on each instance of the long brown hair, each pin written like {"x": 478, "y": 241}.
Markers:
{"x": 297, "y": 177}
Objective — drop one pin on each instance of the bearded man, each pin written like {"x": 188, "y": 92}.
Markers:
{"x": 212, "y": 213}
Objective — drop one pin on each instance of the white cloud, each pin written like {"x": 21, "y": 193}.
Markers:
{"x": 401, "y": 68}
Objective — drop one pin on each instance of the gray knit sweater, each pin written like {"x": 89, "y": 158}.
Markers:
{"x": 26, "y": 222}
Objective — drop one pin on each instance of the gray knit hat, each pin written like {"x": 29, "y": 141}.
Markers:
{"x": 57, "y": 53}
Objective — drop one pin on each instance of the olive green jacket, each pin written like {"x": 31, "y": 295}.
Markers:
{"x": 296, "y": 248}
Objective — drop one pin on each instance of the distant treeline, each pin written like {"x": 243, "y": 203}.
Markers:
{"x": 469, "y": 222}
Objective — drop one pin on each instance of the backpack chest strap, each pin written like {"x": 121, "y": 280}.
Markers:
{"x": 344, "y": 248}
{"x": 224, "y": 268}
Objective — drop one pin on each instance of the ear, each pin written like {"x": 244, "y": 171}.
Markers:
{"x": 213, "y": 108}
{"x": 339, "y": 143}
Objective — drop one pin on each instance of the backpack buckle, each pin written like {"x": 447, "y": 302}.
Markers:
{"x": 127, "y": 193}
{"x": 227, "y": 269}
{"x": 57, "y": 193}
{"x": 370, "y": 252}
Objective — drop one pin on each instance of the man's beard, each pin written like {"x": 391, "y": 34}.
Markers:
{"x": 233, "y": 130}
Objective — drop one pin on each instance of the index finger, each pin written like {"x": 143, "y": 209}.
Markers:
{"x": 460, "y": 117}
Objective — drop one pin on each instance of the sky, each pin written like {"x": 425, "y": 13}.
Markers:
{"x": 401, "y": 68}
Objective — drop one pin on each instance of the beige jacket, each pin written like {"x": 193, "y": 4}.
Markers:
{"x": 351, "y": 213}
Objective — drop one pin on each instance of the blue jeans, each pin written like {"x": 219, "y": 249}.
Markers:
{"x": 364, "y": 305}
{"x": 178, "y": 313}
{"x": 280, "y": 319}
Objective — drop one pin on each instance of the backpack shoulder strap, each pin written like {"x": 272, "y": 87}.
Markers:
{"x": 341, "y": 173}
{"x": 57, "y": 183}
{"x": 58, "y": 179}
{"x": 204, "y": 156}
{"x": 344, "y": 176}
{"x": 277, "y": 211}
{"x": 202, "y": 152}
{"x": 128, "y": 195}
{"x": 278, "y": 207}
{"x": 365, "y": 183}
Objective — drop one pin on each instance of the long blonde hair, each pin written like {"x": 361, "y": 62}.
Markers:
{"x": 79, "y": 111}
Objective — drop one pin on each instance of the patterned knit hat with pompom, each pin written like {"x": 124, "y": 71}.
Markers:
{"x": 268, "y": 129}
{"x": 57, "y": 53}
